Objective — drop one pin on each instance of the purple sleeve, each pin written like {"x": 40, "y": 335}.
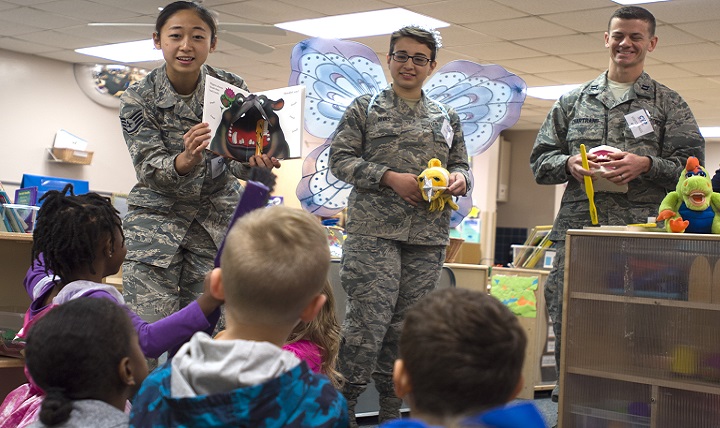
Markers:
{"x": 38, "y": 284}
{"x": 169, "y": 333}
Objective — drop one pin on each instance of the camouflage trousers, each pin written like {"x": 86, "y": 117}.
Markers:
{"x": 554, "y": 287}
{"x": 154, "y": 292}
{"x": 382, "y": 279}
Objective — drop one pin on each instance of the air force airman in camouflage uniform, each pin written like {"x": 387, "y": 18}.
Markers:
{"x": 175, "y": 223}
{"x": 594, "y": 114}
{"x": 395, "y": 247}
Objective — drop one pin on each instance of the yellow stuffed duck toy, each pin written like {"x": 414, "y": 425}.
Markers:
{"x": 433, "y": 182}
{"x": 693, "y": 207}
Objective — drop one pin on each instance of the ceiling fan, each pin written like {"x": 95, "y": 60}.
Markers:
{"x": 227, "y": 32}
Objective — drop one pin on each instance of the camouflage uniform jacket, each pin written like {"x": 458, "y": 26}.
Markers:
{"x": 163, "y": 204}
{"x": 393, "y": 136}
{"x": 590, "y": 115}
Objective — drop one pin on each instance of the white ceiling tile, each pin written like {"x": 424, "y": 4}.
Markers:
{"x": 458, "y": 35}
{"x": 264, "y": 11}
{"x": 328, "y": 8}
{"x": 669, "y": 35}
{"x": 578, "y": 43}
{"x": 543, "y": 64}
{"x": 86, "y": 10}
{"x": 543, "y": 7}
{"x": 707, "y": 30}
{"x": 664, "y": 72}
{"x": 692, "y": 52}
{"x": 703, "y": 68}
{"x": 38, "y": 18}
{"x": 467, "y": 11}
{"x": 13, "y": 44}
{"x": 570, "y": 77}
{"x": 528, "y": 27}
{"x": 496, "y": 51}
{"x": 58, "y": 40}
{"x": 679, "y": 11}
{"x": 585, "y": 21}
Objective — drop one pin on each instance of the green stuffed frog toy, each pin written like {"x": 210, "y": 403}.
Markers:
{"x": 693, "y": 207}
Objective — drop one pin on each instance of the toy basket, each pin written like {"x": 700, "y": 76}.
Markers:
{"x": 453, "y": 249}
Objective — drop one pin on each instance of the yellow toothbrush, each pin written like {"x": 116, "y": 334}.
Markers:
{"x": 589, "y": 186}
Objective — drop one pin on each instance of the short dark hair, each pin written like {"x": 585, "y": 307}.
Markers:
{"x": 178, "y": 6}
{"x": 73, "y": 353}
{"x": 418, "y": 34}
{"x": 463, "y": 351}
{"x": 69, "y": 228}
{"x": 634, "y": 12}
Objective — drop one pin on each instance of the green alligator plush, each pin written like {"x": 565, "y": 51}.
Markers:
{"x": 693, "y": 207}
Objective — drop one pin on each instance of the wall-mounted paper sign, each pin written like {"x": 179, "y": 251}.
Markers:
{"x": 66, "y": 140}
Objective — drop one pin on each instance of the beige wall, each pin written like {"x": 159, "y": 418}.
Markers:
{"x": 529, "y": 204}
{"x": 39, "y": 97}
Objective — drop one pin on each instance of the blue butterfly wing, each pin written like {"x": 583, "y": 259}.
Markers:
{"x": 334, "y": 73}
{"x": 487, "y": 98}
{"x": 319, "y": 191}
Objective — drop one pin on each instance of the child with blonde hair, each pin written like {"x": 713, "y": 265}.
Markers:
{"x": 318, "y": 342}
{"x": 271, "y": 276}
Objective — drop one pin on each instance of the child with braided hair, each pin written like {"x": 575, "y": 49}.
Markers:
{"x": 78, "y": 241}
{"x": 86, "y": 385}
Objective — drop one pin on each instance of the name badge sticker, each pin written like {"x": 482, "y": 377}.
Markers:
{"x": 447, "y": 132}
{"x": 217, "y": 166}
{"x": 639, "y": 122}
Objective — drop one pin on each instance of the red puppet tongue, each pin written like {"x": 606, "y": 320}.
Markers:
{"x": 698, "y": 198}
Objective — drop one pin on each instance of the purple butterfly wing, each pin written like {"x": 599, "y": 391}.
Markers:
{"x": 319, "y": 191}
{"x": 334, "y": 73}
{"x": 487, "y": 98}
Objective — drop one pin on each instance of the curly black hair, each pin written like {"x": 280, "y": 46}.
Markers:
{"x": 74, "y": 351}
{"x": 69, "y": 228}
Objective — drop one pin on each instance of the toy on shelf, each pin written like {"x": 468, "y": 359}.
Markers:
{"x": 693, "y": 206}
{"x": 433, "y": 182}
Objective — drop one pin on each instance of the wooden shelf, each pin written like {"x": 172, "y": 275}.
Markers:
{"x": 11, "y": 236}
{"x": 672, "y": 303}
{"x": 7, "y": 362}
{"x": 661, "y": 378}
{"x": 630, "y": 345}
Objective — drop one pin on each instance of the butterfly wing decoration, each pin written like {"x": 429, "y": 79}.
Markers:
{"x": 334, "y": 73}
{"x": 487, "y": 99}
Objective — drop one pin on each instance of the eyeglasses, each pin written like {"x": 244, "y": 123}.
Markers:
{"x": 417, "y": 59}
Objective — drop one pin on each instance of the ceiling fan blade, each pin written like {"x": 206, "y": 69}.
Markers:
{"x": 248, "y": 44}
{"x": 251, "y": 28}
{"x": 119, "y": 24}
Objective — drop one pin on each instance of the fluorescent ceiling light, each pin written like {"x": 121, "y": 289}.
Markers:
{"x": 361, "y": 24}
{"x": 710, "y": 131}
{"x": 142, "y": 50}
{"x": 627, "y": 2}
{"x": 550, "y": 92}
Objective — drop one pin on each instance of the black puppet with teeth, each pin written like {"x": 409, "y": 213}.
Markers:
{"x": 250, "y": 126}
